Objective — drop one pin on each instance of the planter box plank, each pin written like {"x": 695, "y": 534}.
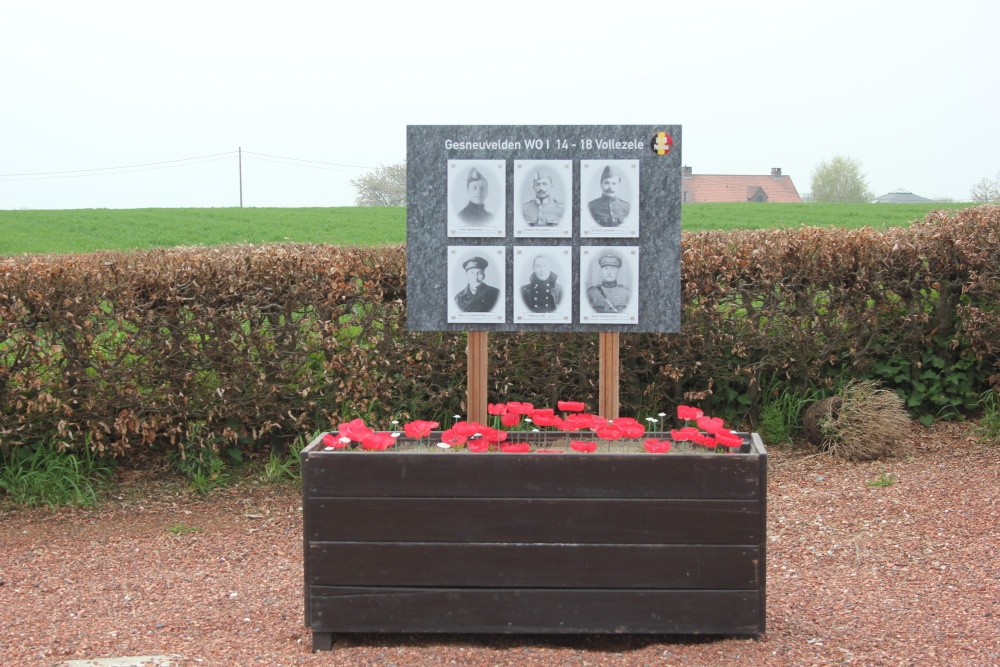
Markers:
{"x": 543, "y": 520}
{"x": 464, "y": 475}
{"x": 456, "y": 610}
{"x": 534, "y": 565}
{"x": 532, "y": 543}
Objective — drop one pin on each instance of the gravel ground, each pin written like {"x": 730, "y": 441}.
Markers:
{"x": 897, "y": 575}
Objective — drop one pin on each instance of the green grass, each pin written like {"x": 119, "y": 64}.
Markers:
{"x": 44, "y": 475}
{"x": 700, "y": 217}
{"x": 126, "y": 229}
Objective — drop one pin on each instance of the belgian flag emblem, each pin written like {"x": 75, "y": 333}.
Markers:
{"x": 661, "y": 143}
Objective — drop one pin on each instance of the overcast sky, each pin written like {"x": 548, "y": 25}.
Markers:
{"x": 910, "y": 89}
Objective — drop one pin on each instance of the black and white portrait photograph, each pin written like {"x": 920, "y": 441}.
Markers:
{"x": 542, "y": 278}
{"x": 543, "y": 198}
{"x": 609, "y": 198}
{"x": 609, "y": 280}
{"x": 476, "y": 284}
{"x": 477, "y": 198}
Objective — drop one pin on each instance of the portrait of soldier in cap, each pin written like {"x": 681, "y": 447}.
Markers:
{"x": 478, "y": 190}
{"x": 543, "y": 293}
{"x": 609, "y": 296}
{"x": 476, "y": 296}
{"x": 609, "y": 210}
{"x": 544, "y": 210}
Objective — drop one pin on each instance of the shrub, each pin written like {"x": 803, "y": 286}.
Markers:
{"x": 863, "y": 422}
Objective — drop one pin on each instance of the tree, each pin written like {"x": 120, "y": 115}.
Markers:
{"x": 383, "y": 186}
{"x": 986, "y": 191}
{"x": 840, "y": 179}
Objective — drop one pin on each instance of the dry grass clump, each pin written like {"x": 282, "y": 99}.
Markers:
{"x": 864, "y": 422}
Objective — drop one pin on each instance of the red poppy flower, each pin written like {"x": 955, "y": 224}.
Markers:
{"x": 571, "y": 406}
{"x": 468, "y": 429}
{"x": 629, "y": 427}
{"x": 609, "y": 432}
{"x": 378, "y": 441}
{"x": 355, "y": 430}
{"x": 330, "y": 441}
{"x": 494, "y": 435}
{"x": 479, "y": 446}
{"x": 729, "y": 439}
{"x": 542, "y": 412}
{"x": 548, "y": 451}
{"x": 450, "y": 437}
{"x": 710, "y": 424}
{"x": 419, "y": 428}
{"x": 510, "y": 419}
{"x": 496, "y": 408}
{"x": 684, "y": 434}
{"x": 583, "y": 446}
{"x": 549, "y": 420}
{"x": 576, "y": 422}
{"x": 686, "y": 412}
{"x": 705, "y": 440}
{"x": 654, "y": 446}
{"x": 516, "y": 448}
{"x": 519, "y": 408}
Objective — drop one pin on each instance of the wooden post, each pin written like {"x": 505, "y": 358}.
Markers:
{"x": 478, "y": 366}
{"x": 609, "y": 375}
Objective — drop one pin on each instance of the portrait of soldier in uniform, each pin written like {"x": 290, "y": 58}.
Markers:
{"x": 544, "y": 210}
{"x": 478, "y": 190}
{"x": 476, "y": 296}
{"x": 543, "y": 293}
{"x": 609, "y": 296}
{"x": 609, "y": 210}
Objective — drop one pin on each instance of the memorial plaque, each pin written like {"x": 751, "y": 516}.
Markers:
{"x": 543, "y": 228}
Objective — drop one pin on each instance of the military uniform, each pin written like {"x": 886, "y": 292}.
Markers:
{"x": 475, "y": 214}
{"x": 608, "y": 297}
{"x": 483, "y": 301}
{"x": 484, "y": 298}
{"x": 542, "y": 296}
{"x": 609, "y": 211}
{"x": 546, "y": 213}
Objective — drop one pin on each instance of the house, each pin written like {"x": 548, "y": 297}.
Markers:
{"x": 700, "y": 188}
{"x": 901, "y": 197}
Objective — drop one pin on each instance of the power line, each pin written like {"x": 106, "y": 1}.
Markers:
{"x": 128, "y": 166}
{"x": 253, "y": 156}
{"x": 333, "y": 164}
{"x": 90, "y": 172}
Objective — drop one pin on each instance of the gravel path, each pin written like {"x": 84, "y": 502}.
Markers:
{"x": 905, "y": 574}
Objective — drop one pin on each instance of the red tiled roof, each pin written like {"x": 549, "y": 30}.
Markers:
{"x": 729, "y": 188}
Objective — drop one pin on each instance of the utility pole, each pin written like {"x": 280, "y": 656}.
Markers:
{"x": 241, "y": 176}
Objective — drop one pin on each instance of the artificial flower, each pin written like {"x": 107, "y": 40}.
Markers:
{"x": 496, "y": 408}
{"x": 686, "y": 412}
{"x": 654, "y": 446}
{"x": 685, "y": 434}
{"x": 571, "y": 406}
{"x": 583, "y": 446}
{"x": 516, "y": 448}
{"x": 450, "y": 437}
{"x": 378, "y": 441}
{"x": 710, "y": 424}
{"x": 478, "y": 446}
{"x": 609, "y": 432}
{"x": 510, "y": 419}
{"x": 519, "y": 408}
{"x": 419, "y": 428}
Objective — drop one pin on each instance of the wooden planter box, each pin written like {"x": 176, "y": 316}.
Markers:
{"x": 456, "y": 542}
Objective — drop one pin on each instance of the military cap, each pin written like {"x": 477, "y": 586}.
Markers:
{"x": 610, "y": 260}
{"x": 539, "y": 176}
{"x": 475, "y": 263}
{"x": 609, "y": 173}
{"x": 474, "y": 175}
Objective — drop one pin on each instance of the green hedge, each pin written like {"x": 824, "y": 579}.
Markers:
{"x": 248, "y": 345}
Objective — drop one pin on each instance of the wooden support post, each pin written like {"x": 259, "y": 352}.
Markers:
{"x": 609, "y": 375}
{"x": 478, "y": 367}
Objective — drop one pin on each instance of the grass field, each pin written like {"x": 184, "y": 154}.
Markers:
{"x": 106, "y": 229}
